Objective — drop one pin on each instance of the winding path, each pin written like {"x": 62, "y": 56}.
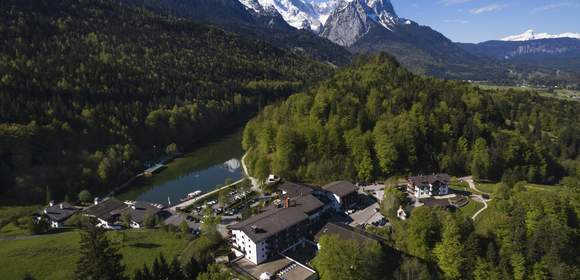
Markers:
{"x": 255, "y": 182}
{"x": 476, "y": 197}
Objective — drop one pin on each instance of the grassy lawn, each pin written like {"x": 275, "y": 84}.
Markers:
{"x": 12, "y": 230}
{"x": 8, "y": 213}
{"x": 490, "y": 187}
{"x": 459, "y": 188}
{"x": 486, "y": 187}
{"x": 471, "y": 208}
{"x": 54, "y": 256}
{"x": 537, "y": 187}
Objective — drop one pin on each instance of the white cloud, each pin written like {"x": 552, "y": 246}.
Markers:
{"x": 454, "y": 2}
{"x": 460, "y": 21}
{"x": 554, "y": 7}
{"x": 488, "y": 9}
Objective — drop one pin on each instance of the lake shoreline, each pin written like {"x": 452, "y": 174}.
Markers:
{"x": 203, "y": 169}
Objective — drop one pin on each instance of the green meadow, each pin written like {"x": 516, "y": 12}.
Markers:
{"x": 54, "y": 256}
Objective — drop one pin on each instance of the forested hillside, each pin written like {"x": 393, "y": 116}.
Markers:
{"x": 375, "y": 119}
{"x": 91, "y": 89}
{"x": 266, "y": 26}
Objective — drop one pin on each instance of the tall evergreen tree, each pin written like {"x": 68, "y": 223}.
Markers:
{"x": 99, "y": 260}
{"x": 449, "y": 251}
{"x": 192, "y": 269}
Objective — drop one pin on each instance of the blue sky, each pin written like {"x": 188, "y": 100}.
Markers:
{"x": 482, "y": 20}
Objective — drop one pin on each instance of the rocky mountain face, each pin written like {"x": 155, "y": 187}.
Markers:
{"x": 371, "y": 26}
{"x": 300, "y": 14}
{"x": 349, "y": 22}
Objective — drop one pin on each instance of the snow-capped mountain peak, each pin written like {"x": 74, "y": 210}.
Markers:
{"x": 301, "y": 14}
{"x": 531, "y": 35}
{"x": 385, "y": 13}
{"x": 313, "y": 14}
{"x": 353, "y": 19}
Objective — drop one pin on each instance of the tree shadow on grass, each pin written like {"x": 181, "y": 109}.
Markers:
{"x": 145, "y": 245}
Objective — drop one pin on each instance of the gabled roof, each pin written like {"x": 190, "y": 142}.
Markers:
{"x": 60, "y": 211}
{"x": 269, "y": 223}
{"x": 307, "y": 203}
{"x": 104, "y": 209}
{"x": 345, "y": 232}
{"x": 340, "y": 188}
{"x": 295, "y": 189}
{"x": 430, "y": 179}
{"x": 141, "y": 210}
{"x": 261, "y": 226}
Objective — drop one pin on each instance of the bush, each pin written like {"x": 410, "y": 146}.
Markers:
{"x": 21, "y": 222}
{"x": 37, "y": 226}
{"x": 85, "y": 196}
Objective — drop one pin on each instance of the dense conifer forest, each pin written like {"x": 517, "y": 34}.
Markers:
{"x": 90, "y": 90}
{"x": 375, "y": 119}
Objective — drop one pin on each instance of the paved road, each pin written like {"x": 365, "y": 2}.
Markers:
{"x": 469, "y": 180}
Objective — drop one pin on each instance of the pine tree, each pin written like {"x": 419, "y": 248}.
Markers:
{"x": 192, "y": 269}
{"x": 98, "y": 258}
{"x": 175, "y": 271}
{"x": 449, "y": 252}
{"x": 518, "y": 263}
{"x": 540, "y": 271}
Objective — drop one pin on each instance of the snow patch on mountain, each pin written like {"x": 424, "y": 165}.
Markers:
{"x": 313, "y": 14}
{"x": 300, "y": 14}
{"x": 384, "y": 12}
{"x": 531, "y": 35}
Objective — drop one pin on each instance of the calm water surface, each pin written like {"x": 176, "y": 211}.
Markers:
{"x": 204, "y": 169}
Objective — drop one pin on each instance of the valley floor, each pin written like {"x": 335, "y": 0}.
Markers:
{"x": 565, "y": 94}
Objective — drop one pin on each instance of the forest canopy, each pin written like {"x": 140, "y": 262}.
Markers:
{"x": 375, "y": 119}
{"x": 92, "y": 89}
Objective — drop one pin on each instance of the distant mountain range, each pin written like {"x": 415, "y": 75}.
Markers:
{"x": 531, "y": 35}
{"x": 550, "y": 61}
{"x": 332, "y": 30}
{"x": 527, "y": 50}
{"x": 370, "y": 26}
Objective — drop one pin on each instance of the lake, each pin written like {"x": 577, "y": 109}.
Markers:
{"x": 204, "y": 169}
